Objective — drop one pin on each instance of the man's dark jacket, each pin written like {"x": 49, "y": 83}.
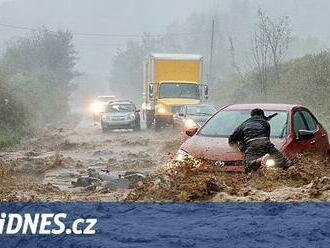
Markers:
{"x": 253, "y": 138}
{"x": 254, "y": 128}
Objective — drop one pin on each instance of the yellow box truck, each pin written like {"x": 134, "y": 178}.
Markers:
{"x": 171, "y": 81}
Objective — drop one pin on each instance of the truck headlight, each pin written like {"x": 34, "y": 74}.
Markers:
{"x": 161, "y": 110}
{"x": 181, "y": 155}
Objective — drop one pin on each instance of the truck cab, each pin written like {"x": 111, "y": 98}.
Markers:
{"x": 170, "y": 82}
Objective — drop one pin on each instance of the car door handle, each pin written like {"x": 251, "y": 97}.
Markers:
{"x": 313, "y": 142}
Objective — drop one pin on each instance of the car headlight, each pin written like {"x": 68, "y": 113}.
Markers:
{"x": 146, "y": 106}
{"x": 270, "y": 162}
{"x": 104, "y": 118}
{"x": 189, "y": 123}
{"x": 181, "y": 155}
{"x": 96, "y": 108}
{"x": 131, "y": 116}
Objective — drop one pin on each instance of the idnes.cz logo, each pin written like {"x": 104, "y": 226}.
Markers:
{"x": 44, "y": 223}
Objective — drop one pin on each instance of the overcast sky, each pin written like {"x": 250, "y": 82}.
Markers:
{"x": 308, "y": 17}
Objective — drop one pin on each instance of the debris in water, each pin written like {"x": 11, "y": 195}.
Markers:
{"x": 196, "y": 180}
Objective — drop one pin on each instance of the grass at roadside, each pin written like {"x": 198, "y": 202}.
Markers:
{"x": 9, "y": 137}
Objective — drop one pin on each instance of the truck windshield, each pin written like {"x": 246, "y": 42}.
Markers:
{"x": 224, "y": 123}
{"x": 178, "y": 90}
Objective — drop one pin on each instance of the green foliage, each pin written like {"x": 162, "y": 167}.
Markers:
{"x": 36, "y": 76}
{"x": 8, "y": 137}
{"x": 304, "y": 81}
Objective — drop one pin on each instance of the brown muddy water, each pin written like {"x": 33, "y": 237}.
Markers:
{"x": 75, "y": 161}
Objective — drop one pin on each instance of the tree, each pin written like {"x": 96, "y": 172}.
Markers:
{"x": 127, "y": 67}
{"x": 269, "y": 44}
{"x": 260, "y": 55}
{"x": 37, "y": 74}
{"x": 278, "y": 35}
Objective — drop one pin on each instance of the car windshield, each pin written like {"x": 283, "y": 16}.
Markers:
{"x": 178, "y": 90}
{"x": 200, "y": 110}
{"x": 225, "y": 122}
{"x": 113, "y": 108}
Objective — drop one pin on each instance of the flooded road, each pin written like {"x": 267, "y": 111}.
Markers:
{"x": 76, "y": 161}
{"x": 48, "y": 166}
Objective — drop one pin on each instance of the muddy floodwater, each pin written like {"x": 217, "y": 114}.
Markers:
{"x": 48, "y": 166}
{"x": 76, "y": 161}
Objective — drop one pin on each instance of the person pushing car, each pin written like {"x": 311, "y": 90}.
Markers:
{"x": 253, "y": 138}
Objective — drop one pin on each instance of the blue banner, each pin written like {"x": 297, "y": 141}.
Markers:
{"x": 164, "y": 225}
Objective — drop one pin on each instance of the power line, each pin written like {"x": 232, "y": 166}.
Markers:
{"x": 17, "y": 27}
{"x": 100, "y": 34}
{"x": 112, "y": 35}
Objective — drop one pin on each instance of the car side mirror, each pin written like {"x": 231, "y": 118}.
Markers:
{"x": 305, "y": 134}
{"x": 191, "y": 131}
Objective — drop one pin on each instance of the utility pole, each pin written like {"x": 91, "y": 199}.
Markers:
{"x": 210, "y": 76}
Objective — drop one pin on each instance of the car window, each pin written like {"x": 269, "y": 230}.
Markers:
{"x": 299, "y": 122}
{"x": 310, "y": 120}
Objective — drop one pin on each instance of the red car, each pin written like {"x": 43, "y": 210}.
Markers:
{"x": 294, "y": 130}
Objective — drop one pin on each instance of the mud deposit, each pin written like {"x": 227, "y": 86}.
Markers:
{"x": 75, "y": 161}
{"x": 51, "y": 166}
{"x": 193, "y": 180}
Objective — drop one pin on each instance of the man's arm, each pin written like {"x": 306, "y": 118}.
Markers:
{"x": 268, "y": 118}
{"x": 236, "y": 136}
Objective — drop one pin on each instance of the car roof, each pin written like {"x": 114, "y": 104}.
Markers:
{"x": 263, "y": 106}
{"x": 121, "y": 102}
